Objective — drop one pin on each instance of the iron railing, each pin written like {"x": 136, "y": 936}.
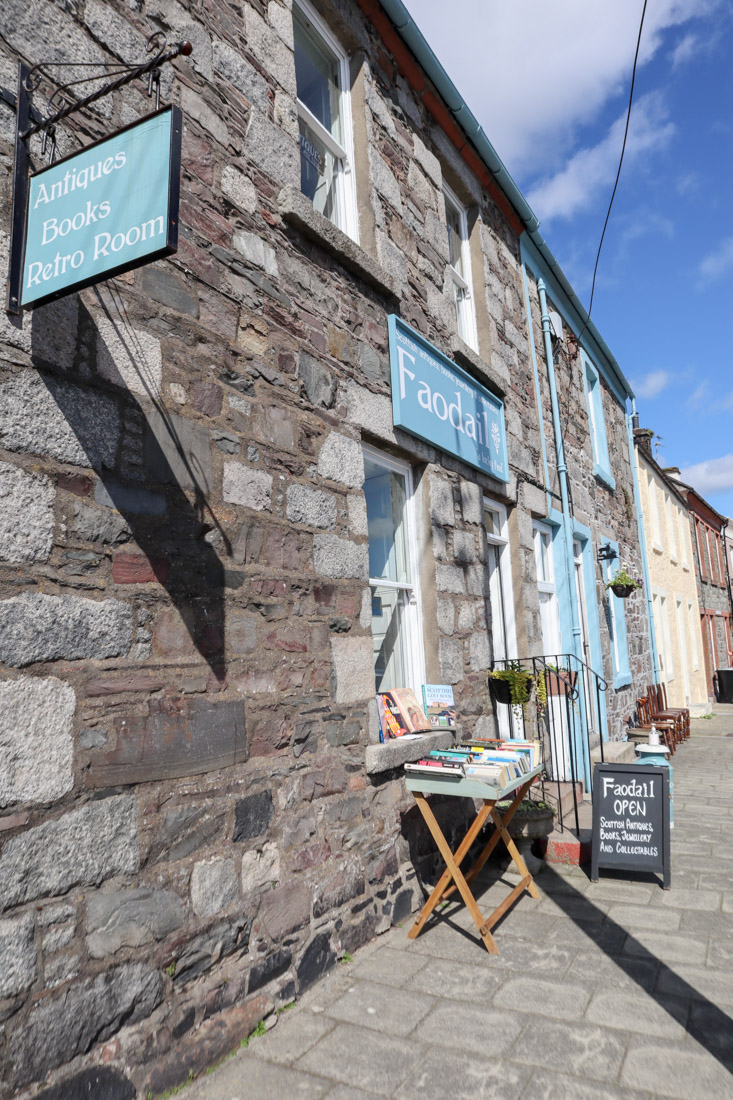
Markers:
{"x": 569, "y": 724}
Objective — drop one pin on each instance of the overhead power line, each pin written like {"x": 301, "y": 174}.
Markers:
{"x": 621, "y": 158}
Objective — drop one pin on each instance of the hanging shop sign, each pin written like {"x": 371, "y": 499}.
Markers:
{"x": 631, "y": 819}
{"x": 436, "y": 401}
{"x": 107, "y": 209}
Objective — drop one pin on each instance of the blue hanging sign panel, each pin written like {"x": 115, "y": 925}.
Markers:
{"x": 107, "y": 209}
{"x": 438, "y": 402}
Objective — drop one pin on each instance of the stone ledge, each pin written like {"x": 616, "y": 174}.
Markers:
{"x": 467, "y": 357}
{"x": 614, "y": 752}
{"x": 300, "y": 212}
{"x": 393, "y": 754}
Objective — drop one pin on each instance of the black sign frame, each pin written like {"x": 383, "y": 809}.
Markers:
{"x": 174, "y": 190}
{"x": 644, "y": 774}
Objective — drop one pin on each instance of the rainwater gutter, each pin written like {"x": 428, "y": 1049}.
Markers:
{"x": 538, "y": 395}
{"x": 562, "y": 472}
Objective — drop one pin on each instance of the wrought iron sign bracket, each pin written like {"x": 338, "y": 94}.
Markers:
{"x": 29, "y": 121}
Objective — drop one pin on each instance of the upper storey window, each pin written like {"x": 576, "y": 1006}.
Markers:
{"x": 460, "y": 268}
{"x": 599, "y": 440}
{"x": 324, "y": 118}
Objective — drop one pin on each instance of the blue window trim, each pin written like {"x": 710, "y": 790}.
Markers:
{"x": 599, "y": 439}
{"x": 622, "y": 675}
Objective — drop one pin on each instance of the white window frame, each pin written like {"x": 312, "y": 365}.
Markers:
{"x": 654, "y": 512}
{"x": 501, "y": 595}
{"x": 464, "y": 283}
{"x": 684, "y": 539}
{"x": 693, "y": 623}
{"x": 682, "y": 643}
{"x": 344, "y": 154}
{"x": 671, "y": 525}
{"x": 547, "y": 585}
{"x": 597, "y": 422}
{"x": 502, "y": 540}
{"x": 414, "y": 649}
{"x": 664, "y": 638}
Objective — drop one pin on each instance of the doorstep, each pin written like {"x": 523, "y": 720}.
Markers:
{"x": 568, "y": 846}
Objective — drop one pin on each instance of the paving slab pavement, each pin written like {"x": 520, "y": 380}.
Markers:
{"x": 615, "y": 990}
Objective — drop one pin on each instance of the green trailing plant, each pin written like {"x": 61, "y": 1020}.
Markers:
{"x": 529, "y": 807}
{"x": 519, "y": 681}
{"x": 541, "y": 695}
{"x": 623, "y": 578}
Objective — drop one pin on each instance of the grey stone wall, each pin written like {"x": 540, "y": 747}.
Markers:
{"x": 188, "y": 834}
{"x": 609, "y": 513}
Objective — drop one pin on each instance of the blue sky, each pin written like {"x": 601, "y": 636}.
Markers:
{"x": 549, "y": 81}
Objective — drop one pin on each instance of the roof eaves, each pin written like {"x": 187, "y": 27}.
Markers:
{"x": 413, "y": 37}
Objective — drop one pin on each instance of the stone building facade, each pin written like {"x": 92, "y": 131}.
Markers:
{"x": 197, "y": 818}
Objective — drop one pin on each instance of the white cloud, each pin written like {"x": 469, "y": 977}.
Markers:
{"x": 700, "y": 396}
{"x": 576, "y": 185}
{"x": 651, "y": 385}
{"x": 712, "y": 476}
{"x": 688, "y": 183}
{"x": 717, "y": 263}
{"x": 685, "y": 49}
{"x": 533, "y": 72}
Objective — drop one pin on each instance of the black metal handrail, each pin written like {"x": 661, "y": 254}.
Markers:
{"x": 568, "y": 731}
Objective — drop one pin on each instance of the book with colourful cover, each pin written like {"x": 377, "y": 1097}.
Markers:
{"x": 400, "y": 714}
{"x": 532, "y": 749}
{"x": 436, "y": 768}
{"x": 389, "y": 718}
{"x": 439, "y": 705}
{"x": 411, "y": 714}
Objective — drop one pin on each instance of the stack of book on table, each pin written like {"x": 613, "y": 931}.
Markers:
{"x": 496, "y": 763}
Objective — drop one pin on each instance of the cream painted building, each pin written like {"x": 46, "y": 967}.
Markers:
{"x": 673, "y": 584}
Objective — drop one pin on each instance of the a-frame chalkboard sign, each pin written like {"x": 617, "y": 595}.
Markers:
{"x": 631, "y": 819}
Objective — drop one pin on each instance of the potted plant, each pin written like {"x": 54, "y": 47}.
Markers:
{"x": 559, "y": 680}
{"x": 511, "y": 685}
{"x": 531, "y": 819}
{"x": 622, "y": 583}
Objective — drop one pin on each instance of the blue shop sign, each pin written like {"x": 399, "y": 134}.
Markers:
{"x": 435, "y": 400}
{"x": 109, "y": 208}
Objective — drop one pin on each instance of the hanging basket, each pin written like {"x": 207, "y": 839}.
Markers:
{"x": 623, "y": 591}
{"x": 501, "y": 690}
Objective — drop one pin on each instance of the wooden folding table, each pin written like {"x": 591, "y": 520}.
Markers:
{"x": 422, "y": 785}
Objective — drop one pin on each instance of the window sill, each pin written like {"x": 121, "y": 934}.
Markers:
{"x": 465, "y": 356}
{"x": 622, "y": 680}
{"x": 393, "y": 754}
{"x": 605, "y": 476}
{"x": 657, "y": 548}
{"x": 299, "y": 211}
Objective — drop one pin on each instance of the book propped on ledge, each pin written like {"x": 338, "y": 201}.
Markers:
{"x": 400, "y": 714}
{"x": 439, "y": 705}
